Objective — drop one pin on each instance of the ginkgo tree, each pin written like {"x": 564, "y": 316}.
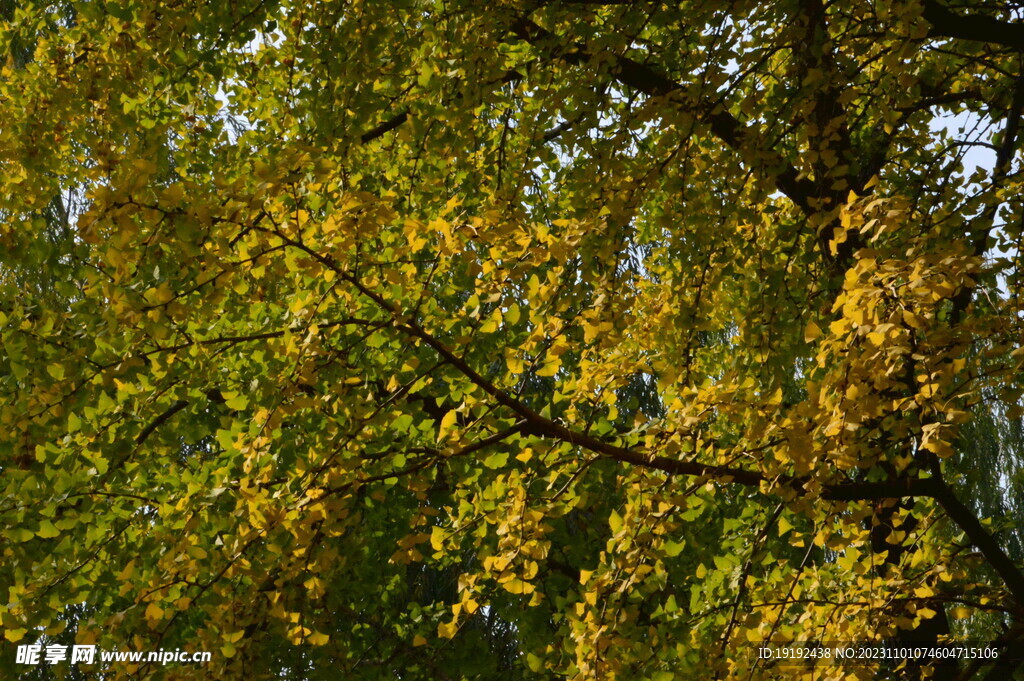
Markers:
{"x": 569, "y": 339}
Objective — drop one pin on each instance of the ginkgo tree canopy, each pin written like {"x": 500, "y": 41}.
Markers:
{"x": 543, "y": 340}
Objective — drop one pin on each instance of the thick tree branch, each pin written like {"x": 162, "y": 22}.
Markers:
{"x": 538, "y": 424}
{"x": 385, "y": 127}
{"x": 981, "y": 538}
{"x": 723, "y": 125}
{"x": 159, "y": 421}
{"x": 945, "y": 22}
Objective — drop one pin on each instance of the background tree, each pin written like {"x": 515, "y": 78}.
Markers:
{"x": 518, "y": 339}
